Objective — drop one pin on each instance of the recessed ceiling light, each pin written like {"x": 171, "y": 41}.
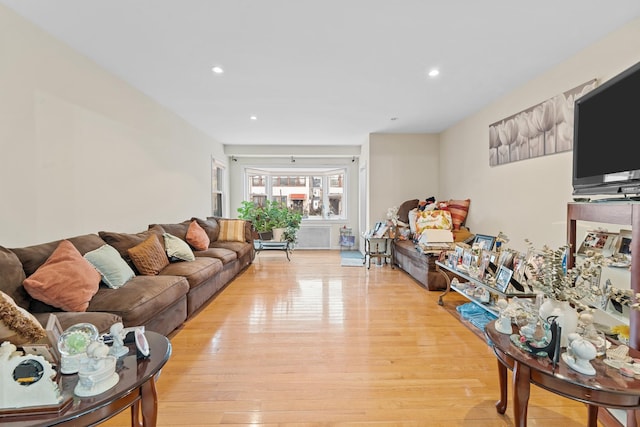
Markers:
{"x": 254, "y": 117}
{"x": 434, "y": 72}
{"x": 217, "y": 70}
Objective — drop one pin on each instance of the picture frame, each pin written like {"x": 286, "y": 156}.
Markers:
{"x": 599, "y": 242}
{"x": 486, "y": 241}
{"x": 506, "y": 258}
{"x": 503, "y": 278}
{"x": 623, "y": 244}
{"x": 466, "y": 259}
{"x": 53, "y": 330}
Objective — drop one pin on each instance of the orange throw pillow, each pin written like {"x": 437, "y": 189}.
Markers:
{"x": 459, "y": 210}
{"x": 66, "y": 280}
{"x": 149, "y": 256}
{"x": 197, "y": 237}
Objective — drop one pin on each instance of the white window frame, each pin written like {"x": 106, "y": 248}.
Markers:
{"x": 217, "y": 177}
{"x": 324, "y": 172}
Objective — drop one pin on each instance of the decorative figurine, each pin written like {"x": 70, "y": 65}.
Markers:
{"x": 579, "y": 353}
{"x": 503, "y": 324}
{"x": 97, "y": 371}
{"x": 118, "y": 349}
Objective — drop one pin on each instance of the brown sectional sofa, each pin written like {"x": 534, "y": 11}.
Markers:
{"x": 161, "y": 302}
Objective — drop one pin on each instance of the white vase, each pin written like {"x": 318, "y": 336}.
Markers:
{"x": 567, "y": 317}
{"x": 278, "y": 234}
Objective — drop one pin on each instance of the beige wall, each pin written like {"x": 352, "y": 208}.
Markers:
{"x": 401, "y": 167}
{"x": 82, "y": 151}
{"x": 526, "y": 199}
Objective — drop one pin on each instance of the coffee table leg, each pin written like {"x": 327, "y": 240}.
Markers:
{"x": 521, "y": 390}
{"x": 135, "y": 415}
{"x": 501, "y": 405}
{"x": 149, "y": 403}
{"x": 592, "y": 417}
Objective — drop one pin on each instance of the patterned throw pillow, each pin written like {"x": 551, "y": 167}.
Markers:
{"x": 66, "y": 280}
{"x": 459, "y": 210}
{"x": 433, "y": 219}
{"x": 149, "y": 256}
{"x": 177, "y": 249}
{"x": 197, "y": 237}
{"x": 231, "y": 230}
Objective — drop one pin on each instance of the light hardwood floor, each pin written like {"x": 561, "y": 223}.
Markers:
{"x": 311, "y": 343}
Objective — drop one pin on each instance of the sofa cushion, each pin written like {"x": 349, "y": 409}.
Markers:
{"x": 33, "y": 257}
{"x": 149, "y": 256}
{"x": 210, "y": 226}
{"x": 122, "y": 242}
{"x": 177, "y": 249}
{"x": 17, "y": 325}
{"x": 179, "y": 230}
{"x": 459, "y": 210}
{"x": 66, "y": 280}
{"x": 197, "y": 237}
{"x": 196, "y": 272}
{"x": 113, "y": 269}
{"x": 11, "y": 278}
{"x": 240, "y": 248}
{"x": 141, "y": 298}
{"x": 405, "y": 207}
{"x": 438, "y": 219}
{"x": 231, "y": 230}
{"x": 223, "y": 254}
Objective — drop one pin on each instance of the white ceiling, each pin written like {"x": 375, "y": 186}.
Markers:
{"x": 325, "y": 72}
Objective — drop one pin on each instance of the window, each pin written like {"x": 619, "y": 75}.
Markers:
{"x": 217, "y": 172}
{"x": 318, "y": 194}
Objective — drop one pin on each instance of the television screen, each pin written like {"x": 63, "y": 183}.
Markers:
{"x": 606, "y": 125}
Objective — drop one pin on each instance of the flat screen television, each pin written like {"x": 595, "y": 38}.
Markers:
{"x": 606, "y": 135}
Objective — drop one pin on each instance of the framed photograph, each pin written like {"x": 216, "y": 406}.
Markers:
{"x": 506, "y": 258}
{"x": 466, "y": 258}
{"x": 53, "y": 330}
{"x": 486, "y": 242}
{"x": 503, "y": 278}
{"x": 599, "y": 241}
{"x": 623, "y": 245}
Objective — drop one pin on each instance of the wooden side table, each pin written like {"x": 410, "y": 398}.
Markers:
{"x": 380, "y": 248}
{"x": 607, "y": 388}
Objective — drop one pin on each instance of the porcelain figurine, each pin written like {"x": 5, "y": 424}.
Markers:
{"x": 503, "y": 324}
{"x": 97, "y": 371}
{"x": 579, "y": 354}
{"x": 118, "y": 349}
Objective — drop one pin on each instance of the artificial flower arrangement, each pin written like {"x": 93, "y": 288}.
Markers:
{"x": 555, "y": 281}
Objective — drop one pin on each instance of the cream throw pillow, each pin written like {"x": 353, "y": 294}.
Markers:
{"x": 177, "y": 249}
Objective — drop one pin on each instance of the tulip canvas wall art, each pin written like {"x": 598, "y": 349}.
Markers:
{"x": 546, "y": 128}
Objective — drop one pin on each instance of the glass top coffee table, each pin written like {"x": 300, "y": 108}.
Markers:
{"x": 136, "y": 389}
{"x": 272, "y": 245}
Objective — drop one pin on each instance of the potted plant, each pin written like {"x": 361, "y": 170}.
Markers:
{"x": 269, "y": 216}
